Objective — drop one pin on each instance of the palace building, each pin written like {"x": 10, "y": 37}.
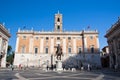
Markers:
{"x": 4, "y": 38}
{"x": 38, "y": 48}
{"x": 113, "y": 39}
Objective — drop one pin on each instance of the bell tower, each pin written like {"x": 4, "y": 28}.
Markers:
{"x": 58, "y": 22}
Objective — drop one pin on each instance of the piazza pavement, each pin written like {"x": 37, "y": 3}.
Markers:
{"x": 38, "y": 74}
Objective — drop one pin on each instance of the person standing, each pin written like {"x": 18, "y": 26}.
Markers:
{"x": 12, "y": 66}
{"x": 88, "y": 67}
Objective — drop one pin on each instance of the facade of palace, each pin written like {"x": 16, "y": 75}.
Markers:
{"x": 4, "y": 38}
{"x": 113, "y": 39}
{"x": 38, "y": 48}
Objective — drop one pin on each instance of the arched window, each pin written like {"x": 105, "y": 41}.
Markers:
{"x": 58, "y": 19}
{"x": 92, "y": 49}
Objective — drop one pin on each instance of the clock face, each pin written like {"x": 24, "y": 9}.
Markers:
{"x": 58, "y": 23}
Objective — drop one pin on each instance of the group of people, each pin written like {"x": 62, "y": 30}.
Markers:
{"x": 20, "y": 67}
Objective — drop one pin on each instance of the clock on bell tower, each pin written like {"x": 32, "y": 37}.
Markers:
{"x": 58, "y": 22}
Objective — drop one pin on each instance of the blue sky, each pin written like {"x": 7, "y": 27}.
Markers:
{"x": 77, "y": 15}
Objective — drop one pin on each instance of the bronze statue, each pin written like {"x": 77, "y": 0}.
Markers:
{"x": 59, "y": 52}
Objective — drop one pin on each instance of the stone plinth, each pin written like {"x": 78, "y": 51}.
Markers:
{"x": 59, "y": 65}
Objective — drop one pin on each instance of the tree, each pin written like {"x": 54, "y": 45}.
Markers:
{"x": 10, "y": 58}
{"x": 9, "y": 50}
{"x": 10, "y": 55}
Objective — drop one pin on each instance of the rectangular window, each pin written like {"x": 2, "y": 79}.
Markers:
{"x": 23, "y": 49}
{"x": 36, "y": 50}
{"x": 79, "y": 50}
{"x": 46, "y": 50}
{"x": 36, "y": 38}
{"x": 47, "y": 38}
{"x": 58, "y": 38}
{"x": 58, "y": 28}
{"x": 91, "y": 37}
{"x": 69, "y": 50}
{"x": 69, "y": 38}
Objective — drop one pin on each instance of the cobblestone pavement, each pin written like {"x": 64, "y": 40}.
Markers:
{"x": 36, "y": 74}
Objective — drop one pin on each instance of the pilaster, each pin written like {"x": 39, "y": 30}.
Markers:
{"x": 42, "y": 45}
{"x": 74, "y": 45}
{"x": 52, "y": 45}
{"x": 3, "y": 62}
{"x": 64, "y": 45}
{"x": 85, "y": 44}
{"x": 17, "y": 43}
{"x": 0, "y": 43}
{"x": 31, "y": 44}
{"x": 98, "y": 45}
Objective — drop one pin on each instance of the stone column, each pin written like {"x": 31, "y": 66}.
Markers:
{"x": 3, "y": 63}
{"x": 115, "y": 50}
{"x": 110, "y": 56}
{"x": 17, "y": 43}
{"x": 0, "y": 44}
{"x": 42, "y": 45}
{"x": 74, "y": 45}
{"x": 112, "y": 61}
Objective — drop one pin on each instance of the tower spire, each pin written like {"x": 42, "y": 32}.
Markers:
{"x": 58, "y": 12}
